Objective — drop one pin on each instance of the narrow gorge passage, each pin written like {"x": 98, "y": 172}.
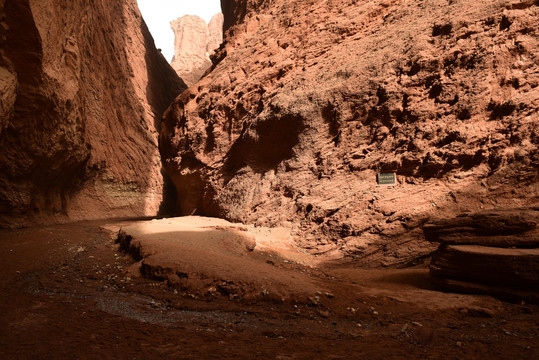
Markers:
{"x": 348, "y": 180}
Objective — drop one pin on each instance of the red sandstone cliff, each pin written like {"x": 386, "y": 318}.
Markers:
{"x": 308, "y": 100}
{"x": 82, "y": 87}
{"x": 194, "y": 43}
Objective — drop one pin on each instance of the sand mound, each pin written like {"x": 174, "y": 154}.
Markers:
{"x": 213, "y": 257}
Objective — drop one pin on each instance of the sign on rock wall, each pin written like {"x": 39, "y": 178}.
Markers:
{"x": 386, "y": 179}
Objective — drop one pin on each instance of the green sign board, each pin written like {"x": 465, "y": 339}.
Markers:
{"x": 386, "y": 179}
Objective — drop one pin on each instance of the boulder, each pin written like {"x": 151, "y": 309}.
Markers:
{"x": 513, "y": 268}
{"x": 490, "y": 252}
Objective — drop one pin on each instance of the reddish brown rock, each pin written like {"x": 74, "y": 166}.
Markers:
{"x": 502, "y": 292}
{"x": 498, "y": 228}
{"x": 489, "y": 269}
{"x": 194, "y": 43}
{"x": 308, "y": 100}
{"x": 488, "y": 265}
{"x": 82, "y": 86}
{"x": 474, "y": 255}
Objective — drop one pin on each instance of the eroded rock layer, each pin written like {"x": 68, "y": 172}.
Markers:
{"x": 82, "y": 87}
{"x": 493, "y": 252}
{"x": 499, "y": 228}
{"x": 308, "y": 100}
{"x": 508, "y": 273}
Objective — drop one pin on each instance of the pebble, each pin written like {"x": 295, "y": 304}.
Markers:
{"x": 324, "y": 314}
{"x": 404, "y": 328}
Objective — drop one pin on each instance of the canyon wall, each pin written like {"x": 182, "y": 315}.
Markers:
{"x": 308, "y": 101}
{"x": 82, "y": 91}
{"x": 194, "y": 43}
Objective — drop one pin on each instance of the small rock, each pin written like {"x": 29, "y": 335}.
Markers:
{"x": 324, "y": 314}
{"x": 315, "y": 299}
{"x": 404, "y": 328}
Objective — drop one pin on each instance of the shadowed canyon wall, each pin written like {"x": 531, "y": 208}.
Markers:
{"x": 83, "y": 89}
{"x": 308, "y": 100}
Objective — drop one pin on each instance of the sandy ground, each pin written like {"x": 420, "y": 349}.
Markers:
{"x": 68, "y": 292}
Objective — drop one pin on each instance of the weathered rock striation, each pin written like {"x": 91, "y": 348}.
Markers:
{"x": 494, "y": 252}
{"x": 194, "y": 43}
{"x": 507, "y": 273}
{"x": 498, "y": 228}
{"x": 82, "y": 89}
{"x": 308, "y": 100}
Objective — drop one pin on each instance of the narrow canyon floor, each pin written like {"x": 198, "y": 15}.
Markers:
{"x": 72, "y": 292}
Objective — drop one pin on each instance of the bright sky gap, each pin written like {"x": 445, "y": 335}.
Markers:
{"x": 159, "y": 13}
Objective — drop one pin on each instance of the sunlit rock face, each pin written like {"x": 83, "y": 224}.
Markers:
{"x": 82, "y": 89}
{"x": 194, "y": 43}
{"x": 309, "y": 100}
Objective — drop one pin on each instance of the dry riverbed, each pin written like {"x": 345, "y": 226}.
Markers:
{"x": 70, "y": 292}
